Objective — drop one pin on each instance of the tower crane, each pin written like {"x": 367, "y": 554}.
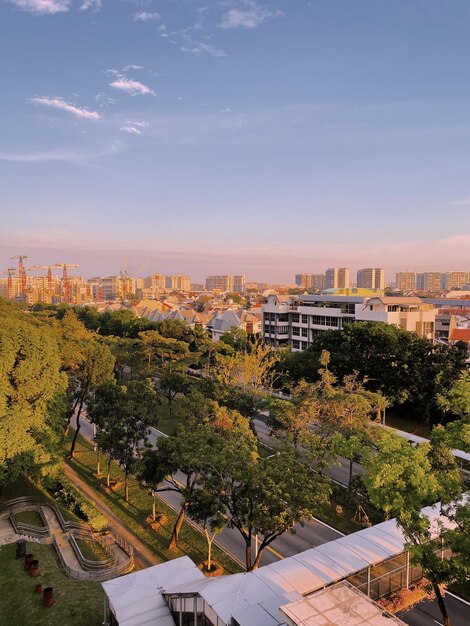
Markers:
{"x": 49, "y": 274}
{"x": 10, "y": 272}
{"x": 65, "y": 278}
{"x": 21, "y": 274}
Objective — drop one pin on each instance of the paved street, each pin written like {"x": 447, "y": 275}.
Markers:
{"x": 428, "y": 614}
{"x": 313, "y": 533}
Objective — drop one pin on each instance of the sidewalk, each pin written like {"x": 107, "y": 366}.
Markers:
{"x": 142, "y": 555}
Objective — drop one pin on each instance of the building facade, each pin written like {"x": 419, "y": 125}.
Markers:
{"x": 429, "y": 281}
{"x": 239, "y": 284}
{"x": 405, "y": 281}
{"x": 295, "y": 321}
{"x": 337, "y": 278}
{"x": 371, "y": 278}
{"x": 222, "y": 282}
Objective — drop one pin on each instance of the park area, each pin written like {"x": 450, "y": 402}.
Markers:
{"x": 76, "y": 603}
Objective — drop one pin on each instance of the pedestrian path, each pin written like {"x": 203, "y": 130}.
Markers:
{"x": 63, "y": 535}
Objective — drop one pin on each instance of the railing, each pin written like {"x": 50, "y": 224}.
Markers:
{"x": 91, "y": 564}
{"x": 98, "y": 575}
{"x": 26, "y": 502}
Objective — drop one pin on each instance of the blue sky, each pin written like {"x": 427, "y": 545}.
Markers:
{"x": 235, "y": 136}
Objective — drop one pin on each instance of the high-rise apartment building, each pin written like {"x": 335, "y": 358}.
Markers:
{"x": 219, "y": 283}
{"x": 303, "y": 280}
{"x": 178, "y": 282}
{"x": 310, "y": 281}
{"x": 371, "y": 278}
{"x": 405, "y": 281}
{"x": 455, "y": 280}
{"x": 337, "y": 278}
{"x": 429, "y": 281}
{"x": 155, "y": 281}
{"x": 239, "y": 283}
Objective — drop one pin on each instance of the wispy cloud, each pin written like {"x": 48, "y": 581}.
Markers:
{"x": 41, "y": 157}
{"x": 251, "y": 15}
{"x": 126, "y": 68}
{"x": 92, "y": 5}
{"x": 42, "y": 7}
{"x": 201, "y": 47}
{"x": 131, "y": 130}
{"x": 62, "y": 105}
{"x": 132, "y": 87}
{"x": 144, "y": 16}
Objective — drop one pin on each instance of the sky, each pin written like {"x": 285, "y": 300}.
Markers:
{"x": 257, "y": 137}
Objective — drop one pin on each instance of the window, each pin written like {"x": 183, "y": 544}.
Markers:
{"x": 295, "y": 318}
{"x": 296, "y": 331}
{"x": 325, "y": 320}
{"x": 304, "y": 319}
{"x": 296, "y": 345}
{"x": 304, "y": 332}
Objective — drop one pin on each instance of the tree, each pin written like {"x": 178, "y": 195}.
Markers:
{"x": 456, "y": 400}
{"x": 156, "y": 348}
{"x": 404, "y": 367}
{"x": 97, "y": 366}
{"x": 136, "y": 406}
{"x": 172, "y": 381}
{"x": 208, "y": 510}
{"x": 148, "y": 471}
{"x": 195, "y": 446}
{"x": 269, "y": 496}
{"x": 30, "y": 380}
{"x": 402, "y": 480}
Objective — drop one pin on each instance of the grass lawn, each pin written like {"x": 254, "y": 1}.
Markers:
{"x": 135, "y": 512}
{"x": 92, "y": 550}
{"x": 29, "y": 517}
{"x": 77, "y": 603}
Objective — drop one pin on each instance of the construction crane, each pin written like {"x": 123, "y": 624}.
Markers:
{"x": 65, "y": 279}
{"x": 11, "y": 272}
{"x": 49, "y": 274}
{"x": 21, "y": 274}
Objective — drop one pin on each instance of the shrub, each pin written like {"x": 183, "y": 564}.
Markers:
{"x": 65, "y": 494}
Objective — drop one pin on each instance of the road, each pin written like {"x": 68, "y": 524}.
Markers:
{"x": 313, "y": 533}
{"x": 428, "y": 614}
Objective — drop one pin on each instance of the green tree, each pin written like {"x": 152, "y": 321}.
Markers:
{"x": 268, "y": 496}
{"x": 208, "y": 510}
{"x": 172, "y": 382}
{"x": 135, "y": 407}
{"x": 402, "y": 480}
{"x": 96, "y": 366}
{"x": 456, "y": 400}
{"x": 30, "y": 381}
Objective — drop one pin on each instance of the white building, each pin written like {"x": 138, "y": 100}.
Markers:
{"x": 295, "y": 320}
{"x": 337, "y": 278}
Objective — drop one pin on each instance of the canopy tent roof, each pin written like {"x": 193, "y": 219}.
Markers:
{"x": 136, "y": 599}
{"x": 255, "y": 597}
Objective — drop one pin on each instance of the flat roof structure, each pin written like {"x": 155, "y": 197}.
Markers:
{"x": 340, "y": 605}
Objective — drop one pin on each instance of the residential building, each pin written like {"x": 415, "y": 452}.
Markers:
{"x": 219, "y": 283}
{"x": 337, "y": 278}
{"x": 405, "y": 281}
{"x": 155, "y": 281}
{"x": 239, "y": 284}
{"x": 429, "y": 281}
{"x": 112, "y": 287}
{"x": 178, "y": 282}
{"x": 310, "y": 281}
{"x": 296, "y": 320}
{"x": 225, "y": 321}
{"x": 455, "y": 280}
{"x": 371, "y": 278}
{"x": 411, "y": 314}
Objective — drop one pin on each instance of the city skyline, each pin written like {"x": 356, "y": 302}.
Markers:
{"x": 251, "y": 136}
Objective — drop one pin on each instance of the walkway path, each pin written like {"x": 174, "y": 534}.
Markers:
{"x": 142, "y": 555}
